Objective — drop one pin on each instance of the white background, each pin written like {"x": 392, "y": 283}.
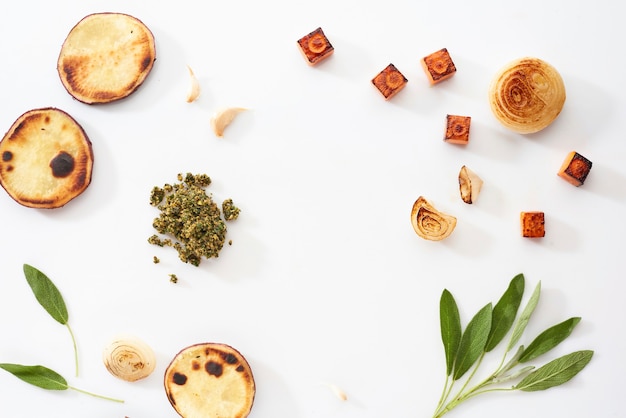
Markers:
{"x": 325, "y": 282}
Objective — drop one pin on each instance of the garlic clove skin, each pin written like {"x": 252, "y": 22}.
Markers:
{"x": 129, "y": 358}
{"x": 222, "y": 118}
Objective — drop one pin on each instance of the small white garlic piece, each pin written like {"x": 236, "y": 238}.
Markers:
{"x": 129, "y": 358}
{"x": 469, "y": 185}
{"x": 221, "y": 119}
{"x": 338, "y": 392}
{"x": 194, "y": 89}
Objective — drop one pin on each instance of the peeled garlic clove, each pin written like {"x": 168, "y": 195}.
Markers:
{"x": 527, "y": 95}
{"x": 338, "y": 392}
{"x": 429, "y": 223}
{"x": 221, "y": 119}
{"x": 469, "y": 185}
{"x": 194, "y": 89}
{"x": 129, "y": 358}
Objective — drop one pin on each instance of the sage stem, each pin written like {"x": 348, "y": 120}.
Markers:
{"x": 75, "y": 348}
{"x": 95, "y": 395}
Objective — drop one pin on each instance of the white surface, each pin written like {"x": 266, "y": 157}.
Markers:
{"x": 325, "y": 282}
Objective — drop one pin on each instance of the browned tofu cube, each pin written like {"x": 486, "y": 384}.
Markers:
{"x": 457, "y": 129}
{"x": 315, "y": 47}
{"x": 389, "y": 81}
{"x": 438, "y": 66}
{"x": 575, "y": 169}
{"x": 533, "y": 224}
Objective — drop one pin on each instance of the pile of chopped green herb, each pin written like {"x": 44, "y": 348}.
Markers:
{"x": 191, "y": 220}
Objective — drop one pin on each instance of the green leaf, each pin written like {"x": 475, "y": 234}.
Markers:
{"x": 39, "y": 376}
{"x": 473, "y": 341}
{"x": 549, "y": 339}
{"x": 522, "y": 322}
{"x": 450, "y": 328}
{"x": 45, "y": 378}
{"x": 46, "y": 293}
{"x": 556, "y": 372}
{"x": 505, "y": 311}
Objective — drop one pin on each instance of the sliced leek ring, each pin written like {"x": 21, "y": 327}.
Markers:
{"x": 129, "y": 358}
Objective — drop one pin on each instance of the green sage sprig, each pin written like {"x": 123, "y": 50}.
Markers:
{"x": 49, "y": 297}
{"x": 46, "y": 378}
{"x": 465, "y": 348}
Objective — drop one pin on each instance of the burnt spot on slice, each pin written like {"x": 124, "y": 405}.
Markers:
{"x": 146, "y": 62}
{"x": 229, "y": 358}
{"x": 179, "y": 379}
{"x": 240, "y": 368}
{"x": 62, "y": 165}
{"x": 195, "y": 365}
{"x": 7, "y": 156}
{"x": 213, "y": 368}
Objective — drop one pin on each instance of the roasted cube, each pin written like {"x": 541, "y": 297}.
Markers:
{"x": 438, "y": 66}
{"x": 575, "y": 169}
{"x": 533, "y": 224}
{"x": 389, "y": 81}
{"x": 315, "y": 46}
{"x": 457, "y": 129}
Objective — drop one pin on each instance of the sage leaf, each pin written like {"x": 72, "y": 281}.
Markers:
{"x": 473, "y": 341}
{"x": 46, "y": 378}
{"x": 47, "y": 294}
{"x": 39, "y": 376}
{"x": 514, "y": 375}
{"x": 549, "y": 339}
{"x": 450, "y": 328}
{"x": 556, "y": 372}
{"x": 514, "y": 361}
{"x": 505, "y": 311}
{"x": 522, "y": 322}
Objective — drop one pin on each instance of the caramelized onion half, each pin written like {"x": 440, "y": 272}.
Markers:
{"x": 429, "y": 223}
{"x": 527, "y": 95}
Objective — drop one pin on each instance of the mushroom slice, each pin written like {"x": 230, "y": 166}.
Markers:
{"x": 106, "y": 57}
{"x": 469, "y": 185}
{"x": 47, "y": 159}
{"x": 221, "y": 119}
{"x": 129, "y": 358}
{"x": 429, "y": 223}
{"x": 527, "y": 95}
{"x": 210, "y": 380}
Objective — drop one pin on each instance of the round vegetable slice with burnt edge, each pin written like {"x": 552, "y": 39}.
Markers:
{"x": 210, "y": 380}
{"x": 46, "y": 159}
{"x": 106, "y": 57}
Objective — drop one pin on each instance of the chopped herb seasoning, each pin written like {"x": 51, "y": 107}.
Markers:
{"x": 231, "y": 212}
{"x": 156, "y": 260}
{"x": 191, "y": 221}
{"x": 173, "y": 278}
